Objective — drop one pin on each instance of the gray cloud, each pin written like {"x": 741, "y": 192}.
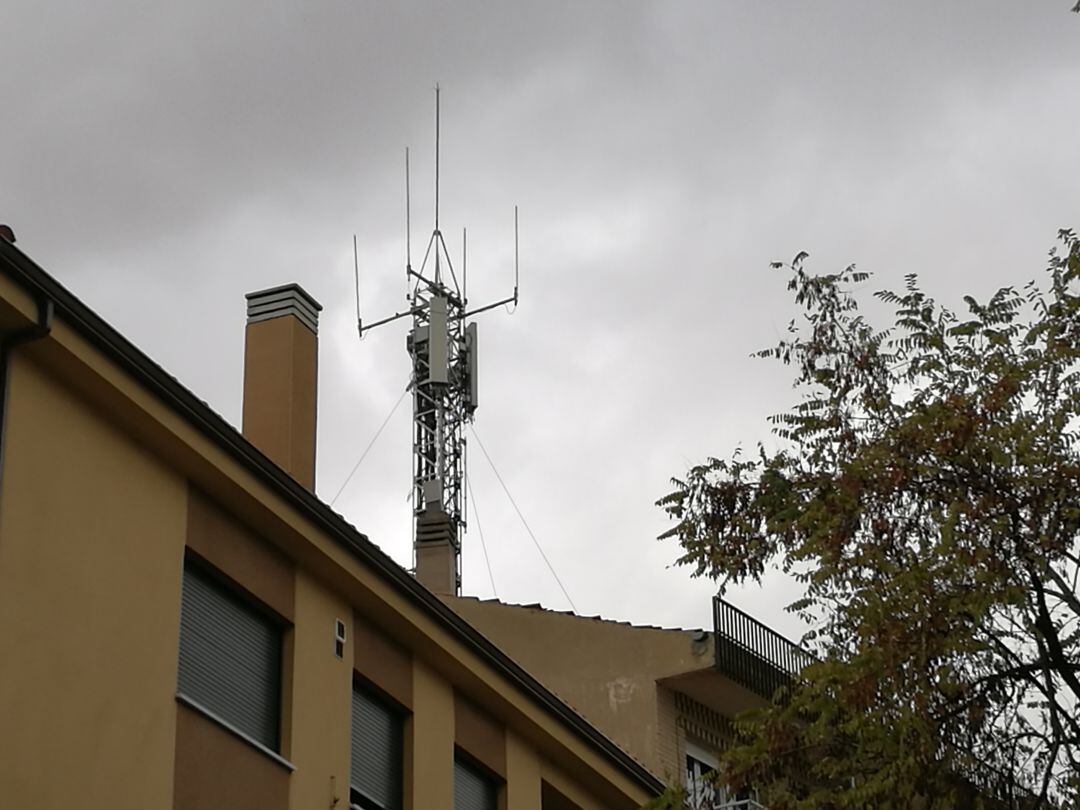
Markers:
{"x": 662, "y": 154}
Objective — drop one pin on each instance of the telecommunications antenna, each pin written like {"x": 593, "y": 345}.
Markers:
{"x": 443, "y": 347}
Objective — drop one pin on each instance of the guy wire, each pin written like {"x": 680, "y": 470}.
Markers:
{"x": 480, "y": 529}
{"x": 370, "y": 444}
{"x": 524, "y": 522}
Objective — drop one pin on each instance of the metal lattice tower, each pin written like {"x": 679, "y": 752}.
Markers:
{"x": 443, "y": 346}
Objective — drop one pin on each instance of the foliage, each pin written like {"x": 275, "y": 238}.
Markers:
{"x": 674, "y": 798}
{"x": 927, "y": 495}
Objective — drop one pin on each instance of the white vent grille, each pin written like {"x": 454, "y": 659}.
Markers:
{"x": 288, "y": 299}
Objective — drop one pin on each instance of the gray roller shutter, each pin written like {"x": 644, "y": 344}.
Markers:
{"x": 376, "y": 753}
{"x": 472, "y": 791}
{"x": 230, "y": 658}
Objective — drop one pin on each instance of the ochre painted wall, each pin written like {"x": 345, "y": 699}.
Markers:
{"x": 321, "y": 699}
{"x": 567, "y": 789}
{"x": 91, "y": 548}
{"x": 281, "y": 363}
{"x": 429, "y": 742}
{"x": 382, "y": 662}
{"x": 606, "y": 670}
{"x": 216, "y": 770}
{"x": 522, "y": 775}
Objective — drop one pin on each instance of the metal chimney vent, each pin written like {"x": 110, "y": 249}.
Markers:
{"x": 288, "y": 299}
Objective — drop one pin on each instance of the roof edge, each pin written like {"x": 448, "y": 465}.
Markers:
{"x": 623, "y": 623}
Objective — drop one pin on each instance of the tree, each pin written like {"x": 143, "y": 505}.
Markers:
{"x": 927, "y": 496}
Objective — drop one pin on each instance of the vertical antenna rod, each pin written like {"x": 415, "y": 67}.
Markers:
{"x": 436, "y": 160}
{"x": 408, "y": 216}
{"x": 437, "y": 235}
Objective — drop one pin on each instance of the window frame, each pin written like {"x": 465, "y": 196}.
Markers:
{"x": 400, "y": 714}
{"x": 705, "y": 795}
{"x": 248, "y": 603}
{"x": 478, "y": 769}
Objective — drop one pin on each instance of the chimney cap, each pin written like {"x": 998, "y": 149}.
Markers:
{"x": 285, "y": 299}
{"x": 7, "y": 234}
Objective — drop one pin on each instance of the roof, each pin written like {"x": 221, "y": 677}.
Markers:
{"x": 539, "y": 607}
{"x": 24, "y": 271}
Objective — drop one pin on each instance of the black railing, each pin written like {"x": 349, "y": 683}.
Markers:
{"x": 752, "y": 654}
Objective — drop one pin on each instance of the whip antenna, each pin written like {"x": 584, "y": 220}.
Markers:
{"x": 408, "y": 215}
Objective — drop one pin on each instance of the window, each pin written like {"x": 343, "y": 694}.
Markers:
{"x": 376, "y": 775}
{"x": 473, "y": 790}
{"x": 702, "y": 793}
{"x": 230, "y": 658}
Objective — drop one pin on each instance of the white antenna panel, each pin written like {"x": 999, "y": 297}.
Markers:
{"x": 472, "y": 397}
{"x": 438, "y": 354}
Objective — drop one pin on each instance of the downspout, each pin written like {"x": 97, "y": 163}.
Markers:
{"x": 8, "y": 344}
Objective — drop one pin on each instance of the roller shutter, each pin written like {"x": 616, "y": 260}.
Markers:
{"x": 230, "y": 658}
{"x": 473, "y": 791}
{"x": 376, "y": 753}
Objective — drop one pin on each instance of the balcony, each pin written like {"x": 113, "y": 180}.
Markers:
{"x": 752, "y": 654}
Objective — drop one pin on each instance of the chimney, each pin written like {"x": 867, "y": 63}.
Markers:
{"x": 281, "y": 363}
{"x": 435, "y": 547}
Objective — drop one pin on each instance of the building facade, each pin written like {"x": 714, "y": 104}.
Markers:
{"x": 184, "y": 624}
{"x": 660, "y": 693}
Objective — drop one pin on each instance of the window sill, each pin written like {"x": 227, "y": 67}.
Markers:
{"x": 229, "y": 727}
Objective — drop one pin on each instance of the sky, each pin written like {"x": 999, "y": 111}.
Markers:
{"x": 161, "y": 160}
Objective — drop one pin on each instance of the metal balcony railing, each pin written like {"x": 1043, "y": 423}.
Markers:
{"x": 712, "y": 802}
{"x": 752, "y": 654}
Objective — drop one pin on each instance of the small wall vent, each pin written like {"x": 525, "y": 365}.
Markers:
{"x": 339, "y": 638}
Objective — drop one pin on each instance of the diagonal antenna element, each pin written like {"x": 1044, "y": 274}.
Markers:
{"x": 356, "y": 281}
{"x": 515, "y": 256}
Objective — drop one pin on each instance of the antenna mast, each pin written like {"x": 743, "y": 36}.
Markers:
{"x": 443, "y": 347}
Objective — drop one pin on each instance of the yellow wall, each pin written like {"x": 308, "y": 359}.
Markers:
{"x": 568, "y": 788}
{"x": 321, "y": 699}
{"x": 429, "y": 742}
{"x": 523, "y": 769}
{"x": 91, "y": 547}
{"x": 606, "y": 670}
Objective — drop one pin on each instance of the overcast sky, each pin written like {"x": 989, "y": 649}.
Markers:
{"x": 163, "y": 159}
